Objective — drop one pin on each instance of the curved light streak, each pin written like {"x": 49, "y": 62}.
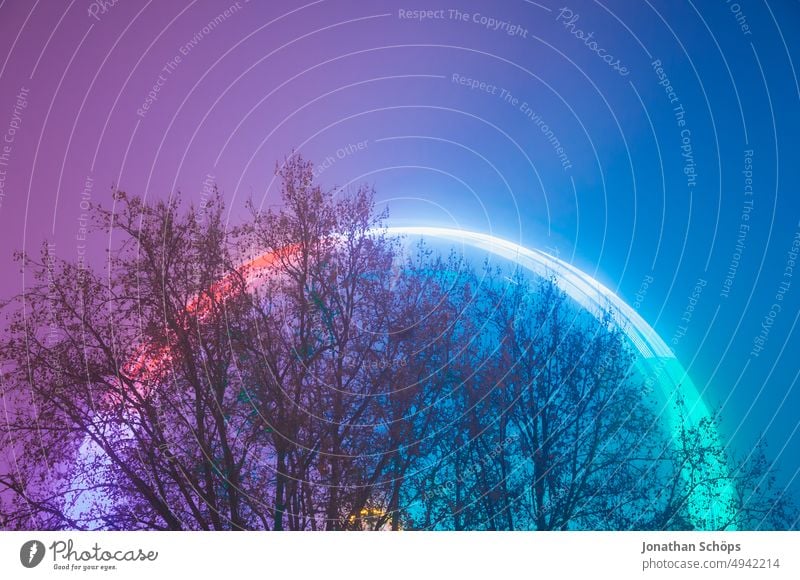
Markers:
{"x": 657, "y": 365}
{"x": 578, "y": 285}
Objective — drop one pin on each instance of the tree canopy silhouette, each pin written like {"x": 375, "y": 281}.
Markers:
{"x": 305, "y": 370}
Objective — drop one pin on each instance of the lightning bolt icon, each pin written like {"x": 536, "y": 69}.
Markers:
{"x": 33, "y": 551}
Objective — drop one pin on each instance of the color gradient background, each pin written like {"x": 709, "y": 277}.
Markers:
{"x": 369, "y": 94}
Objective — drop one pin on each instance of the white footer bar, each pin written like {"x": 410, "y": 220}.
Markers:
{"x": 385, "y": 555}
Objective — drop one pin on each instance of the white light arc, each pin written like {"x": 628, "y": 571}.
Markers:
{"x": 657, "y": 365}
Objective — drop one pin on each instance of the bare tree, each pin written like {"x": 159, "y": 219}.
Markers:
{"x": 304, "y": 370}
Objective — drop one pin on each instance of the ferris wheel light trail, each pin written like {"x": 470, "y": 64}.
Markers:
{"x": 656, "y": 362}
{"x": 578, "y": 285}
{"x": 657, "y": 365}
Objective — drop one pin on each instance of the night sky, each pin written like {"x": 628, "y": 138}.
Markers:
{"x": 648, "y": 143}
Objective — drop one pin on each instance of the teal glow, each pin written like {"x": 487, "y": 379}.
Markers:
{"x": 709, "y": 505}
